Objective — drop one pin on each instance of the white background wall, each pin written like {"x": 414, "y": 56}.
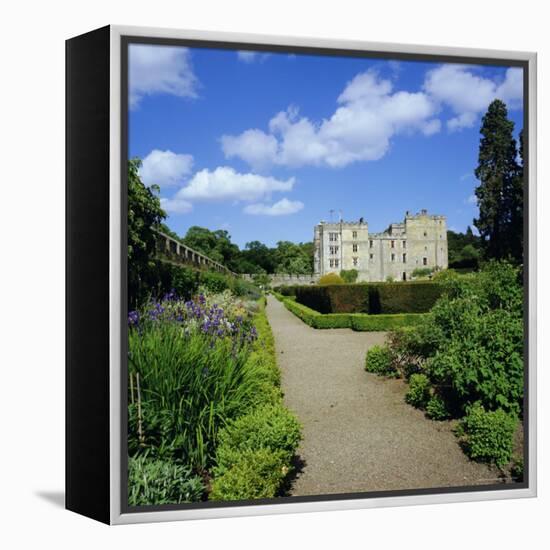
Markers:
{"x": 32, "y": 273}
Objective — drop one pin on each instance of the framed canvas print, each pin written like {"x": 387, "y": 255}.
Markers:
{"x": 300, "y": 274}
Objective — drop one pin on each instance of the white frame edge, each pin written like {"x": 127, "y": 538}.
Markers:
{"x": 115, "y": 282}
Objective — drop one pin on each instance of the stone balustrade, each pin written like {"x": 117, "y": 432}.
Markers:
{"x": 174, "y": 250}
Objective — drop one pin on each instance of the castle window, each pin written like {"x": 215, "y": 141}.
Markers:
{"x": 354, "y": 234}
{"x": 354, "y": 261}
{"x": 331, "y": 263}
{"x": 334, "y": 249}
{"x": 371, "y": 256}
{"x": 371, "y": 243}
{"x": 336, "y": 263}
{"x": 425, "y": 233}
{"x": 393, "y": 257}
{"x": 440, "y": 236}
{"x": 426, "y": 248}
{"x": 424, "y": 261}
{"x": 333, "y": 237}
{"x": 404, "y": 244}
{"x": 393, "y": 244}
{"x": 404, "y": 258}
{"x": 355, "y": 248}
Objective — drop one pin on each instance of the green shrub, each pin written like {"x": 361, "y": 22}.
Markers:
{"x": 243, "y": 288}
{"x": 419, "y": 390}
{"x": 331, "y": 279}
{"x": 390, "y": 279}
{"x": 487, "y": 436}
{"x": 436, "y": 409}
{"x": 471, "y": 342}
{"x": 379, "y": 361}
{"x": 214, "y": 282}
{"x": 271, "y": 426}
{"x": 257, "y": 474}
{"x": 161, "y": 482}
{"x": 422, "y": 272}
{"x": 482, "y": 358}
{"x": 349, "y": 275}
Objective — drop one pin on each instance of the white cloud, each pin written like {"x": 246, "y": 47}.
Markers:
{"x": 468, "y": 94}
{"x": 160, "y": 69}
{"x": 253, "y": 146}
{"x": 472, "y": 199}
{"x": 165, "y": 168}
{"x": 176, "y": 206}
{"x": 360, "y": 129}
{"x": 283, "y": 207}
{"x": 250, "y": 57}
{"x": 225, "y": 184}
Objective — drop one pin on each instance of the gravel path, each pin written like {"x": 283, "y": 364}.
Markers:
{"x": 359, "y": 434}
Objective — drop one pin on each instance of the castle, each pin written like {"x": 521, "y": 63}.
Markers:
{"x": 420, "y": 241}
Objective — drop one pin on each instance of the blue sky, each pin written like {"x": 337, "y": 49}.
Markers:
{"x": 265, "y": 145}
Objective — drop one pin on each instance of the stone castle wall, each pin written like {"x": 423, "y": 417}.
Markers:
{"x": 420, "y": 241}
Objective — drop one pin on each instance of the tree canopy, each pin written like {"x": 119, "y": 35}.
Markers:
{"x": 144, "y": 214}
{"x": 500, "y": 191}
{"x": 464, "y": 249}
{"x": 255, "y": 257}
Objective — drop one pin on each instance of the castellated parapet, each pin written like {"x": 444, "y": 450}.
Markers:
{"x": 420, "y": 241}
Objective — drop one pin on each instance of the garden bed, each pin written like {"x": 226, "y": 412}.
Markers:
{"x": 206, "y": 419}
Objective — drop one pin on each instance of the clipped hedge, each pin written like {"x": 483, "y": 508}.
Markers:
{"x": 271, "y": 427}
{"x": 258, "y": 473}
{"x": 371, "y": 298}
{"x": 286, "y": 290}
{"x": 362, "y": 322}
{"x": 358, "y": 322}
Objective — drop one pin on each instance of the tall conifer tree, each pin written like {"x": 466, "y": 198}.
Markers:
{"x": 500, "y": 191}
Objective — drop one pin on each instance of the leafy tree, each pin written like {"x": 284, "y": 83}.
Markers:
{"x": 144, "y": 214}
{"x": 500, "y": 192}
{"x": 260, "y": 257}
{"x": 464, "y": 249}
{"x": 292, "y": 258}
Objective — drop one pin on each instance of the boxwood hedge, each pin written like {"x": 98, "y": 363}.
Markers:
{"x": 355, "y": 321}
{"x": 371, "y": 298}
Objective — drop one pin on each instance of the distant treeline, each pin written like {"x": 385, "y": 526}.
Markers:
{"x": 256, "y": 257}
